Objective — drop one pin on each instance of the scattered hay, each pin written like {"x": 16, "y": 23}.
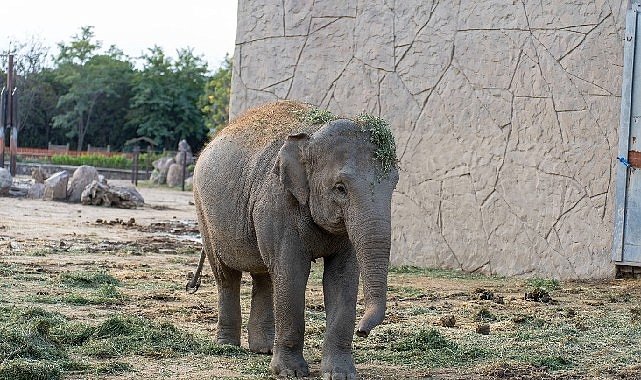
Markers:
{"x": 267, "y": 123}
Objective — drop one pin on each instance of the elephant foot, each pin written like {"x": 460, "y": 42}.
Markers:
{"x": 286, "y": 364}
{"x": 228, "y": 338}
{"x": 338, "y": 367}
{"x": 261, "y": 346}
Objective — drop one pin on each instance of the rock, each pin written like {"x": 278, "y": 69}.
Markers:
{"x": 56, "y": 187}
{"x": 483, "y": 329}
{"x": 448, "y": 321}
{"x": 184, "y": 154}
{"x": 162, "y": 165}
{"x": 175, "y": 175}
{"x": 99, "y": 194}
{"x": 82, "y": 177}
{"x": 154, "y": 176}
{"x": 38, "y": 174}
{"x": 36, "y": 191}
{"x": 189, "y": 183}
{"x": 5, "y": 182}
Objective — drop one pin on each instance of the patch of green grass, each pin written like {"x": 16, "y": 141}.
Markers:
{"x": 484, "y": 315}
{"x": 418, "y": 348}
{"x": 434, "y": 272}
{"x": 128, "y": 335}
{"x": 553, "y": 363}
{"x": 405, "y": 291}
{"x": 36, "y": 342}
{"x": 104, "y": 295}
{"x": 547, "y": 284}
{"x": 423, "y": 340}
{"x": 88, "y": 279}
{"x": 25, "y": 369}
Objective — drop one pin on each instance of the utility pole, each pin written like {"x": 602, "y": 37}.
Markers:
{"x": 3, "y": 107}
{"x": 13, "y": 125}
{"x": 8, "y": 120}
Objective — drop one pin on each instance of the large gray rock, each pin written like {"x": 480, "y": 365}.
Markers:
{"x": 175, "y": 175}
{"x": 505, "y": 115}
{"x": 56, "y": 186}
{"x": 36, "y": 191}
{"x": 5, "y": 182}
{"x": 162, "y": 166}
{"x": 184, "y": 155}
{"x": 82, "y": 177}
{"x": 100, "y": 194}
{"x": 38, "y": 174}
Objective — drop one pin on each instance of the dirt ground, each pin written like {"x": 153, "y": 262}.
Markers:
{"x": 87, "y": 266}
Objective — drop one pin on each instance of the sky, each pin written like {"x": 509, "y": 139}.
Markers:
{"x": 207, "y": 26}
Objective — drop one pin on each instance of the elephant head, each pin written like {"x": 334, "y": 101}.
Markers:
{"x": 336, "y": 173}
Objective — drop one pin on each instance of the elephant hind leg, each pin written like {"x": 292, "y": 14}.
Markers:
{"x": 229, "y": 317}
{"x": 261, "y": 317}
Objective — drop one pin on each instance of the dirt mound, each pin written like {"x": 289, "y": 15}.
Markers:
{"x": 267, "y": 123}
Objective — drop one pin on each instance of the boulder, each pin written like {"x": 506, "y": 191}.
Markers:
{"x": 82, "y": 177}
{"x": 184, "y": 155}
{"x": 175, "y": 175}
{"x": 38, "y": 174}
{"x": 36, "y": 191}
{"x": 189, "y": 183}
{"x": 100, "y": 194}
{"x": 56, "y": 186}
{"x": 162, "y": 165}
{"x": 5, "y": 182}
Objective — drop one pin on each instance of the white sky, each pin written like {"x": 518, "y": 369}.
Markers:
{"x": 208, "y": 26}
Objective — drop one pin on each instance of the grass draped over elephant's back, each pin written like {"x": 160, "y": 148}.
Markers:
{"x": 270, "y": 122}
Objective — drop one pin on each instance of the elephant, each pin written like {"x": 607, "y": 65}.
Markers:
{"x": 277, "y": 189}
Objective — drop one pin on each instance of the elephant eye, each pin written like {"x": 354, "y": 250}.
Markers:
{"x": 340, "y": 189}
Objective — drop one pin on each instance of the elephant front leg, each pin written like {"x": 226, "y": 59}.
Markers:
{"x": 340, "y": 288}
{"x": 290, "y": 278}
{"x": 260, "y": 328}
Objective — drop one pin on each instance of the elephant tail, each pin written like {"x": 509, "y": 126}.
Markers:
{"x": 194, "y": 278}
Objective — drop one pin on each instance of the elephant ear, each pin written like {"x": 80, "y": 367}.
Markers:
{"x": 290, "y": 167}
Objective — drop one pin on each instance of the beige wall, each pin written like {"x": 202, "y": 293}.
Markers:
{"x": 505, "y": 114}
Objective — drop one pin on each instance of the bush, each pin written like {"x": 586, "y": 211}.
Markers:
{"x": 97, "y": 160}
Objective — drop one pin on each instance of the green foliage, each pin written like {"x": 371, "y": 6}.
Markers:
{"x": 93, "y": 82}
{"x": 97, "y": 95}
{"x": 164, "y": 106}
{"x": 381, "y": 136}
{"x": 317, "y": 116}
{"x": 97, "y": 160}
{"x": 214, "y": 103}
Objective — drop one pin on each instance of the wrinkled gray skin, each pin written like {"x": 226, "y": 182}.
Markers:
{"x": 270, "y": 210}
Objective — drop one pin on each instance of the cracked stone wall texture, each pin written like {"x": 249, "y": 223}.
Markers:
{"x": 505, "y": 115}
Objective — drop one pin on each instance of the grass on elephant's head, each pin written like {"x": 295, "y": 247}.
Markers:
{"x": 381, "y": 136}
{"x": 315, "y": 115}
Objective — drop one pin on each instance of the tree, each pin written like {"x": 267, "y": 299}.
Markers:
{"x": 164, "y": 106}
{"x": 214, "y": 104}
{"x": 94, "y": 81}
{"x": 31, "y": 58}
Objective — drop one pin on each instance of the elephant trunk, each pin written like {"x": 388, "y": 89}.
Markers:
{"x": 371, "y": 238}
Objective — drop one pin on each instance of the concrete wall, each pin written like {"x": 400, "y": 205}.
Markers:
{"x": 505, "y": 114}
